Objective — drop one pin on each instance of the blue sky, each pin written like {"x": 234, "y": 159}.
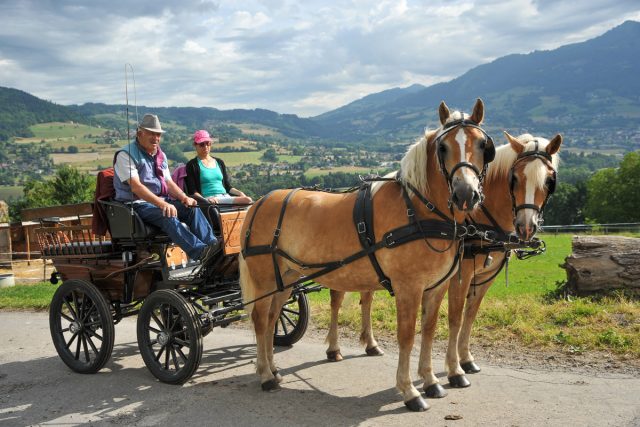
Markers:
{"x": 301, "y": 57}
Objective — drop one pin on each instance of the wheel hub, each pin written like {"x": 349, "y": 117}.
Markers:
{"x": 75, "y": 327}
{"x": 163, "y": 338}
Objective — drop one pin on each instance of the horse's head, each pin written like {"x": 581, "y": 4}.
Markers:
{"x": 532, "y": 180}
{"x": 463, "y": 150}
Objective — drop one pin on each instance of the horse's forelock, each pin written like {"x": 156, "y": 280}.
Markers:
{"x": 506, "y": 157}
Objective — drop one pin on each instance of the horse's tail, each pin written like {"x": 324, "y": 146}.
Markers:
{"x": 246, "y": 284}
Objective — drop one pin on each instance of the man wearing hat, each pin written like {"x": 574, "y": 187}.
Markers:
{"x": 142, "y": 179}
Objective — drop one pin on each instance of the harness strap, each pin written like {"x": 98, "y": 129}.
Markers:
{"x": 248, "y": 232}
{"x": 276, "y": 236}
{"x": 363, "y": 220}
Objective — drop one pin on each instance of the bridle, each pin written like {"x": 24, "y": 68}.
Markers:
{"x": 546, "y": 158}
{"x": 489, "y": 153}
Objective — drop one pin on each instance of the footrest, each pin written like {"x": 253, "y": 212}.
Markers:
{"x": 221, "y": 297}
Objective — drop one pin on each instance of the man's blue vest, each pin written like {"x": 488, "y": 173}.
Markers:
{"x": 145, "y": 164}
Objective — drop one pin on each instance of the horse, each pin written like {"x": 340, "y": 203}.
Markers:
{"x": 517, "y": 188}
{"x": 518, "y": 185}
{"x": 401, "y": 232}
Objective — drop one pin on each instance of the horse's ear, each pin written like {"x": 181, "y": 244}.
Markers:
{"x": 517, "y": 146}
{"x": 443, "y": 110}
{"x": 478, "y": 111}
{"x": 554, "y": 145}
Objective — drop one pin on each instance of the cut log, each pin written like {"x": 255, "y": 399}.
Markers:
{"x": 603, "y": 263}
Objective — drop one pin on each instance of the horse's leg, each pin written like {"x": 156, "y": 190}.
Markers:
{"x": 277, "y": 302}
{"x": 474, "y": 298}
{"x": 366, "y": 335}
{"x": 458, "y": 287}
{"x": 264, "y": 343}
{"x": 333, "y": 352}
{"x": 407, "y": 303}
{"x": 431, "y": 301}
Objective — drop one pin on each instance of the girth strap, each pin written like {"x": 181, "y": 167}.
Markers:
{"x": 363, "y": 220}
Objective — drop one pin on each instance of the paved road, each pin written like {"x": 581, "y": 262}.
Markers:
{"x": 37, "y": 388}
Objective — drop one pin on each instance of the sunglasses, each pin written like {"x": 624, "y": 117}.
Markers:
{"x": 205, "y": 143}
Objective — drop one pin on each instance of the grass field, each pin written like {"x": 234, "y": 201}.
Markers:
{"x": 312, "y": 172}
{"x": 10, "y": 192}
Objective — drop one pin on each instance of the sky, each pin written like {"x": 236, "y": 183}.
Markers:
{"x": 302, "y": 57}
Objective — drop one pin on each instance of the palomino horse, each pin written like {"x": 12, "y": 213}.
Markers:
{"x": 518, "y": 185}
{"x": 396, "y": 235}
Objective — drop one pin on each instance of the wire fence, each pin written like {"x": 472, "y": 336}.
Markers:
{"x": 613, "y": 228}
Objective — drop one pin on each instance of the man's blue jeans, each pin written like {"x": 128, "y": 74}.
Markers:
{"x": 192, "y": 242}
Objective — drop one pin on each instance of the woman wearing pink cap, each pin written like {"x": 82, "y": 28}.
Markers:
{"x": 207, "y": 175}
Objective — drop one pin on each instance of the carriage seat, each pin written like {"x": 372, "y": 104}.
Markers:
{"x": 125, "y": 224}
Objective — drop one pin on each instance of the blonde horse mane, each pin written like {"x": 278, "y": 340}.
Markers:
{"x": 506, "y": 157}
{"x": 413, "y": 166}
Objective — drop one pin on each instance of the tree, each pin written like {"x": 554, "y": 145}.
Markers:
{"x": 612, "y": 195}
{"x": 566, "y": 206}
{"x": 270, "y": 155}
{"x": 68, "y": 186}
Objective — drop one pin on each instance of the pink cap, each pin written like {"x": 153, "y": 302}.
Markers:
{"x": 201, "y": 136}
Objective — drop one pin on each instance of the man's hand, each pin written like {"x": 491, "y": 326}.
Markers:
{"x": 188, "y": 201}
{"x": 169, "y": 210}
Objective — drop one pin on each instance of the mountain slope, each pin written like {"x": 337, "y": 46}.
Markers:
{"x": 592, "y": 84}
{"x": 19, "y": 110}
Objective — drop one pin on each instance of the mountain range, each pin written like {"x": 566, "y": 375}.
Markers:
{"x": 590, "y": 90}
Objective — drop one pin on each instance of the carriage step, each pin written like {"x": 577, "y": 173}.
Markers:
{"x": 228, "y": 320}
{"x": 226, "y": 296}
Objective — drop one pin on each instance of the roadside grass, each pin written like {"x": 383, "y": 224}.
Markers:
{"x": 523, "y": 312}
{"x": 34, "y": 297}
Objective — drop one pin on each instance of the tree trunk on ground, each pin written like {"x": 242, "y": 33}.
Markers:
{"x": 602, "y": 263}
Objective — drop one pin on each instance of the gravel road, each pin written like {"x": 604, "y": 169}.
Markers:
{"x": 36, "y": 388}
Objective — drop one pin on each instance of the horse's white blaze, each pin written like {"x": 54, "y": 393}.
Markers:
{"x": 461, "y": 139}
{"x": 530, "y": 190}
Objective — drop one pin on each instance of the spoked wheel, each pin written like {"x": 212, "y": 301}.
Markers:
{"x": 169, "y": 336}
{"x": 293, "y": 321}
{"x": 81, "y": 326}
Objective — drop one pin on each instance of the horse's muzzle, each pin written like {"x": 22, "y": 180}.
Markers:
{"x": 465, "y": 198}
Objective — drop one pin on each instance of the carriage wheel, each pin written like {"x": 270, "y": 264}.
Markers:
{"x": 293, "y": 320}
{"x": 81, "y": 326}
{"x": 169, "y": 336}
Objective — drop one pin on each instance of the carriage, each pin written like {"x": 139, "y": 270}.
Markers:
{"x": 139, "y": 271}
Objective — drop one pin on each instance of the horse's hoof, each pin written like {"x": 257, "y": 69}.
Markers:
{"x": 470, "y": 367}
{"x": 277, "y": 376}
{"x": 374, "y": 351}
{"x": 334, "y": 356}
{"x": 435, "y": 391}
{"x": 271, "y": 385}
{"x": 417, "y": 404}
{"x": 459, "y": 381}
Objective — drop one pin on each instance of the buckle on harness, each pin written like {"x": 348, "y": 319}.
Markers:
{"x": 471, "y": 230}
{"x": 490, "y": 235}
{"x": 388, "y": 241}
{"x": 410, "y": 212}
{"x": 362, "y": 228}
{"x": 430, "y": 206}
{"x": 276, "y": 232}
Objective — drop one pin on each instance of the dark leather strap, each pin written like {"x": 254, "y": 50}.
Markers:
{"x": 363, "y": 220}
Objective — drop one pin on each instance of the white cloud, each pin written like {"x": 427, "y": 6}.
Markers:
{"x": 289, "y": 56}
